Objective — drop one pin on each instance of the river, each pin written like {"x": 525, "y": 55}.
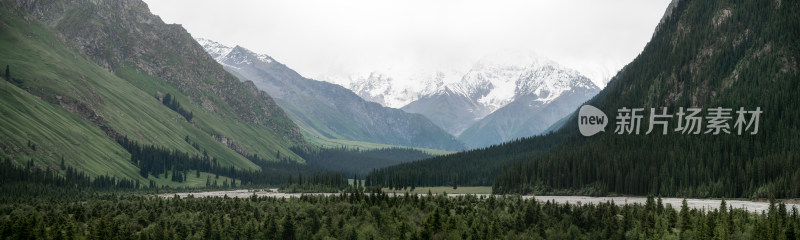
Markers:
{"x": 701, "y": 204}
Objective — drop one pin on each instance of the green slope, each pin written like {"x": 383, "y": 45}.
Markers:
{"x": 705, "y": 54}
{"x": 56, "y": 133}
{"x": 53, "y": 72}
{"x": 57, "y": 74}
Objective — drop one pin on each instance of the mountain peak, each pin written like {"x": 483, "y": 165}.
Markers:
{"x": 328, "y": 110}
{"x": 215, "y": 49}
{"x": 237, "y": 54}
{"x": 500, "y": 78}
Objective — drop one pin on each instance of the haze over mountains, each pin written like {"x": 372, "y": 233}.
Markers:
{"x": 504, "y": 96}
{"x": 329, "y": 110}
{"x": 704, "y": 54}
{"x": 88, "y": 86}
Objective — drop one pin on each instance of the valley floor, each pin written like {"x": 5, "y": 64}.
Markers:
{"x": 38, "y": 212}
{"x": 481, "y": 192}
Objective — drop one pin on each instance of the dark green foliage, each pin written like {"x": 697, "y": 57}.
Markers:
{"x": 752, "y": 74}
{"x": 32, "y": 174}
{"x": 481, "y": 165}
{"x": 706, "y": 54}
{"x": 358, "y": 215}
{"x": 316, "y": 183}
{"x": 355, "y": 161}
{"x": 172, "y": 103}
{"x": 153, "y": 160}
{"x": 16, "y": 81}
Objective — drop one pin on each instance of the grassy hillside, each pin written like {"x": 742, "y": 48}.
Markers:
{"x": 126, "y": 39}
{"x": 50, "y": 70}
{"x": 70, "y": 106}
{"x": 321, "y": 141}
{"x": 55, "y": 133}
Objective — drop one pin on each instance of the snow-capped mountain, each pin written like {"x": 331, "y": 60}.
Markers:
{"x": 544, "y": 93}
{"x": 503, "y": 96}
{"x": 394, "y": 89}
{"x": 329, "y": 110}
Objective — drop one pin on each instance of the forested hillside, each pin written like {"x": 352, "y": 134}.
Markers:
{"x": 705, "y": 54}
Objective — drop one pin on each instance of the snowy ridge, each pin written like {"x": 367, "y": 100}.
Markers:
{"x": 232, "y": 56}
{"x": 548, "y": 82}
{"x": 395, "y": 89}
{"x": 493, "y": 81}
{"x": 215, "y": 49}
{"x": 500, "y": 97}
{"x": 329, "y": 110}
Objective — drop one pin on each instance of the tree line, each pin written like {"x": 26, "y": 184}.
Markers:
{"x": 72, "y": 178}
{"x": 376, "y": 215}
{"x": 153, "y": 160}
{"x": 352, "y": 161}
{"x": 172, "y": 103}
{"x": 678, "y": 68}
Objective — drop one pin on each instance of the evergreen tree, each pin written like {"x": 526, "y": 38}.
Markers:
{"x": 685, "y": 220}
{"x": 288, "y": 231}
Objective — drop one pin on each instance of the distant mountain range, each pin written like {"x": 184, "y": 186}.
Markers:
{"x": 329, "y": 110}
{"x": 739, "y": 55}
{"x": 504, "y": 96}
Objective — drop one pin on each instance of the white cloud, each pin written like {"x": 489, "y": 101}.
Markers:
{"x": 322, "y": 36}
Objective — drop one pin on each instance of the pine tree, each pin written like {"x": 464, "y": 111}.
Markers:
{"x": 685, "y": 222}
{"x": 8, "y": 74}
{"x": 166, "y": 100}
{"x": 287, "y": 232}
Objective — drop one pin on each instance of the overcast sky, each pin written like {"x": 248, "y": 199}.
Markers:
{"x": 324, "y": 37}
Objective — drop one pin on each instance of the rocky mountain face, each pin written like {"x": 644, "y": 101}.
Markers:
{"x": 543, "y": 94}
{"x": 123, "y": 34}
{"x": 504, "y": 97}
{"x": 329, "y": 109}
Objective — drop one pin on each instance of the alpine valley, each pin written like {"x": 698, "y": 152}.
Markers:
{"x": 502, "y": 97}
{"x": 328, "y": 110}
{"x": 703, "y": 54}
{"x": 116, "y": 125}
